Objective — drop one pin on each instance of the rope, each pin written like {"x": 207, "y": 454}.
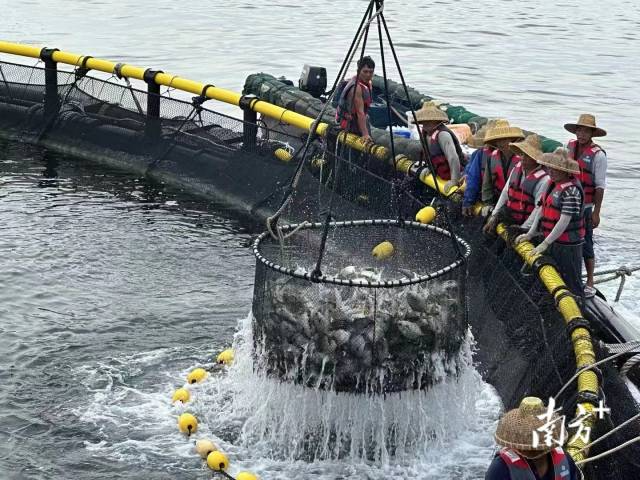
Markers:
{"x": 623, "y": 424}
{"x": 589, "y": 367}
{"x": 609, "y": 452}
{"x": 629, "y": 364}
{"x": 423, "y": 141}
{"x": 341, "y": 74}
{"x": 388, "y": 102}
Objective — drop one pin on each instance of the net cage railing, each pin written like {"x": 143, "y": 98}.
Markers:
{"x": 523, "y": 347}
{"x": 122, "y": 110}
{"x": 363, "y": 324}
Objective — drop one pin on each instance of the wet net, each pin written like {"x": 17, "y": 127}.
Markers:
{"x": 362, "y": 325}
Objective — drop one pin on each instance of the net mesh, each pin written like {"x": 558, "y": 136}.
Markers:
{"x": 523, "y": 347}
{"x": 364, "y": 325}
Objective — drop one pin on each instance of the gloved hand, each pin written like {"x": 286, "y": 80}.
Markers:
{"x": 486, "y": 210}
{"x": 448, "y": 185}
{"x": 540, "y": 249}
{"x": 525, "y": 237}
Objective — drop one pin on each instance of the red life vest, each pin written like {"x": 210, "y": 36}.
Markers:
{"x": 519, "y": 469}
{"x": 346, "y": 114}
{"x": 552, "y": 210}
{"x": 500, "y": 170}
{"x": 521, "y": 193}
{"x": 438, "y": 158}
{"x": 585, "y": 161}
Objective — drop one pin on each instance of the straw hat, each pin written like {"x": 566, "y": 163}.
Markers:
{"x": 559, "y": 160}
{"x": 431, "y": 113}
{"x": 477, "y": 141}
{"x": 502, "y": 129}
{"x": 586, "y": 120}
{"x": 516, "y": 428}
{"x": 530, "y": 146}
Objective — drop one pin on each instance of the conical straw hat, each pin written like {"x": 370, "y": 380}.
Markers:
{"x": 559, "y": 160}
{"x": 586, "y": 120}
{"x": 431, "y": 113}
{"x": 477, "y": 141}
{"x": 530, "y": 146}
{"x": 502, "y": 129}
{"x": 516, "y": 428}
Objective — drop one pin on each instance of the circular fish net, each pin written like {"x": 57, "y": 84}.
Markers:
{"x": 364, "y": 324}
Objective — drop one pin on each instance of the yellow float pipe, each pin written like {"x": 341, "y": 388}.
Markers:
{"x": 19, "y": 49}
{"x": 295, "y": 119}
{"x": 580, "y": 337}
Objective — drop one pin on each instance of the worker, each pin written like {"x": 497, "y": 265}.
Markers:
{"x": 502, "y": 159}
{"x": 355, "y": 99}
{"x": 474, "y": 170}
{"x": 525, "y": 186}
{"x": 444, "y": 147}
{"x": 560, "y": 218}
{"x": 593, "y": 176}
{"x": 531, "y": 440}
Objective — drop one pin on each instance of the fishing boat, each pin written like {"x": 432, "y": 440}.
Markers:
{"x": 532, "y": 337}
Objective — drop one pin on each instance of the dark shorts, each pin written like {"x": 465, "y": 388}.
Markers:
{"x": 569, "y": 260}
{"x": 587, "y": 248}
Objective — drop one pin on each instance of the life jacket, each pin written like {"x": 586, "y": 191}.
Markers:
{"x": 487, "y": 151}
{"x": 438, "y": 158}
{"x": 501, "y": 169}
{"x": 521, "y": 199}
{"x": 519, "y": 469}
{"x": 585, "y": 161}
{"x": 346, "y": 113}
{"x": 552, "y": 210}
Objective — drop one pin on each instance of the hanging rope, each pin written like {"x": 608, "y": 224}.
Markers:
{"x": 423, "y": 141}
{"x": 610, "y": 432}
{"x": 609, "y": 452}
{"x": 628, "y": 348}
{"x": 272, "y": 220}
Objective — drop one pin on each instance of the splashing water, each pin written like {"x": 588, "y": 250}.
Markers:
{"x": 282, "y": 426}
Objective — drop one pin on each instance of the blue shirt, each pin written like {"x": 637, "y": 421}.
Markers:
{"x": 473, "y": 171}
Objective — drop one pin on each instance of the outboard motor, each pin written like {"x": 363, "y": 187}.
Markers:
{"x": 313, "y": 80}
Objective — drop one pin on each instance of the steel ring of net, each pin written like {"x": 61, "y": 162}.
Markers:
{"x": 366, "y": 324}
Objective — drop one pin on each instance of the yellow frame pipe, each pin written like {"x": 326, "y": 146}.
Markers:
{"x": 227, "y": 96}
{"x": 580, "y": 337}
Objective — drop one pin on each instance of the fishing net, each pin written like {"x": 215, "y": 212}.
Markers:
{"x": 362, "y": 325}
{"x": 522, "y": 344}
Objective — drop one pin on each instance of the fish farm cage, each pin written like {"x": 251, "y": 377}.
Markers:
{"x": 524, "y": 344}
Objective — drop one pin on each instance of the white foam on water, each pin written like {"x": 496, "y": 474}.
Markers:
{"x": 267, "y": 427}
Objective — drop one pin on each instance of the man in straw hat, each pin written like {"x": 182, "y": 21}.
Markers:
{"x": 593, "y": 176}
{"x": 444, "y": 147}
{"x": 525, "y": 186}
{"x": 528, "y": 453}
{"x": 502, "y": 160}
{"x": 474, "y": 171}
{"x": 560, "y": 218}
{"x": 355, "y": 99}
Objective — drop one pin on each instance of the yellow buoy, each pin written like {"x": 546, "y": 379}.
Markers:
{"x": 187, "y": 423}
{"x": 383, "y": 250}
{"x": 217, "y": 461}
{"x": 426, "y": 215}
{"x": 246, "y": 476}
{"x": 225, "y": 357}
{"x": 181, "y": 395}
{"x": 197, "y": 375}
{"x": 204, "y": 447}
